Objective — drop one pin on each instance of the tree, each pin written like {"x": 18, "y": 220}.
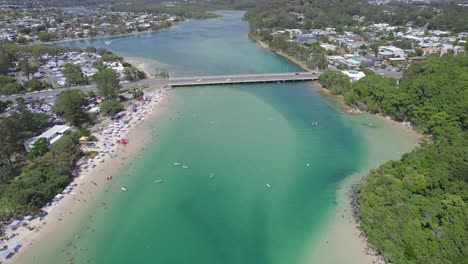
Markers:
{"x": 107, "y": 83}
{"x": 133, "y": 74}
{"x": 4, "y": 62}
{"x": 161, "y": 73}
{"x": 40, "y": 148}
{"x": 26, "y": 67}
{"x": 419, "y": 52}
{"x": 15, "y": 129}
{"x": 318, "y": 61}
{"x": 110, "y": 107}
{"x": 33, "y": 85}
{"x": 8, "y": 85}
{"x": 22, "y": 40}
{"x": 45, "y": 36}
{"x": 137, "y": 92}
{"x": 69, "y": 104}
{"x": 74, "y": 74}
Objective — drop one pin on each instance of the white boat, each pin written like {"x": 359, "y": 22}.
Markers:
{"x": 123, "y": 189}
{"x": 212, "y": 175}
{"x": 158, "y": 181}
{"x": 108, "y": 42}
{"x": 307, "y": 164}
{"x": 268, "y": 185}
{"x": 185, "y": 167}
{"x": 176, "y": 163}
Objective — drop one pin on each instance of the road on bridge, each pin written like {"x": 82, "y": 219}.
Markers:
{"x": 184, "y": 81}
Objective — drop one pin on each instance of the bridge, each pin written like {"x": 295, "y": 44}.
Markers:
{"x": 246, "y": 78}
{"x": 185, "y": 81}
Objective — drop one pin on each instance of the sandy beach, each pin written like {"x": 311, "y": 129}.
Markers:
{"x": 90, "y": 183}
{"x": 148, "y": 66}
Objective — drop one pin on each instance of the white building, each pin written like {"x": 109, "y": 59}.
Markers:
{"x": 389, "y": 51}
{"x": 52, "y": 135}
{"x": 354, "y": 75}
{"x": 328, "y": 46}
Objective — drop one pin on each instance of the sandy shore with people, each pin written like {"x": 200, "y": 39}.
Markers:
{"x": 91, "y": 182}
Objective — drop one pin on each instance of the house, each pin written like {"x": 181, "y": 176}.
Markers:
{"x": 427, "y": 51}
{"x": 391, "y": 51}
{"x": 352, "y": 62}
{"x": 328, "y": 46}
{"x": 306, "y": 37}
{"x": 52, "y": 135}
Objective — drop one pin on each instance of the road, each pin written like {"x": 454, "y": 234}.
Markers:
{"x": 184, "y": 81}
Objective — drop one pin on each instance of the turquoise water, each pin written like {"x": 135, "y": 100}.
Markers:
{"x": 246, "y": 135}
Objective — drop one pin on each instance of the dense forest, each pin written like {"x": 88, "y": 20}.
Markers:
{"x": 414, "y": 210}
{"x": 332, "y": 13}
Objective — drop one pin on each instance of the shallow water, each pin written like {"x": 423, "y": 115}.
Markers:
{"x": 245, "y": 137}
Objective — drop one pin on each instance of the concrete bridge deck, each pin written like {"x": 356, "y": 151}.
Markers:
{"x": 246, "y": 78}
{"x": 184, "y": 81}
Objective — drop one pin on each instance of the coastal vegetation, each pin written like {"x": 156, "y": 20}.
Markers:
{"x": 40, "y": 180}
{"x": 29, "y": 181}
{"x": 414, "y": 210}
{"x": 26, "y": 186}
{"x": 309, "y": 54}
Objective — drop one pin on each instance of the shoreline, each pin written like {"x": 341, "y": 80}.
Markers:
{"x": 339, "y": 98}
{"x": 346, "y": 195}
{"x": 100, "y": 37}
{"x": 142, "y": 64}
{"x": 301, "y": 64}
{"x": 342, "y": 229}
{"x": 87, "y": 185}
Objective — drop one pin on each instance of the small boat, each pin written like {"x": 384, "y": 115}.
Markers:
{"x": 268, "y": 186}
{"x": 108, "y": 42}
{"x": 212, "y": 175}
{"x": 176, "y": 163}
{"x": 109, "y": 177}
{"x": 307, "y": 164}
{"x": 123, "y": 189}
{"x": 185, "y": 167}
{"x": 158, "y": 181}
